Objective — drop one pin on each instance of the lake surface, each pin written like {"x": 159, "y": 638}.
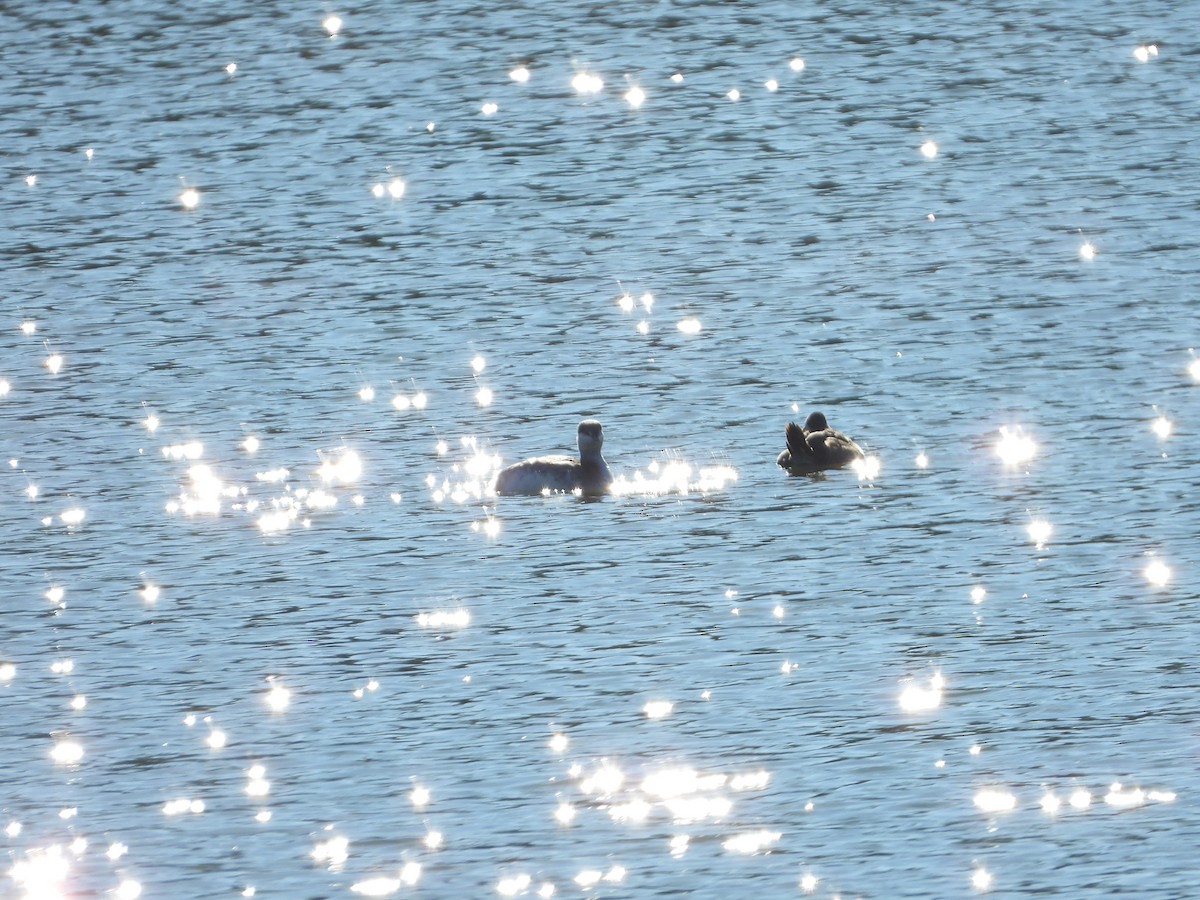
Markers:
{"x": 281, "y": 293}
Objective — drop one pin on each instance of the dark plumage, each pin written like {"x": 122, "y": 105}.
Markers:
{"x": 816, "y": 446}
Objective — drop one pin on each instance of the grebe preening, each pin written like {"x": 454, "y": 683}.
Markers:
{"x": 588, "y": 474}
{"x": 816, "y": 446}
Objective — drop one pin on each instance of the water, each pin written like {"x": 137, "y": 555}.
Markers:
{"x": 844, "y": 667}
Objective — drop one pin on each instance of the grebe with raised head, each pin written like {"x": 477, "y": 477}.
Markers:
{"x": 816, "y": 446}
{"x": 588, "y": 474}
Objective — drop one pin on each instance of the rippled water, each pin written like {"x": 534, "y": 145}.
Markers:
{"x": 265, "y": 631}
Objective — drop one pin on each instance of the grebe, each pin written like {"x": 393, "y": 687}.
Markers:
{"x": 588, "y": 474}
{"x": 816, "y": 446}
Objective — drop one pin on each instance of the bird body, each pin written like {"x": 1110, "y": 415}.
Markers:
{"x": 588, "y": 474}
{"x": 815, "y": 447}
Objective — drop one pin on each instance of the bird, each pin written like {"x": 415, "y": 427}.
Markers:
{"x": 541, "y": 474}
{"x": 816, "y": 446}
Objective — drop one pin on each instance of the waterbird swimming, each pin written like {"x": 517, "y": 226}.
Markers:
{"x": 588, "y": 474}
{"x": 816, "y": 446}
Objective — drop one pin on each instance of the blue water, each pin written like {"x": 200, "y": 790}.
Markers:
{"x": 467, "y": 684}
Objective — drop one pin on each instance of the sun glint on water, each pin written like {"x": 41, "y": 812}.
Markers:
{"x": 1015, "y": 447}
